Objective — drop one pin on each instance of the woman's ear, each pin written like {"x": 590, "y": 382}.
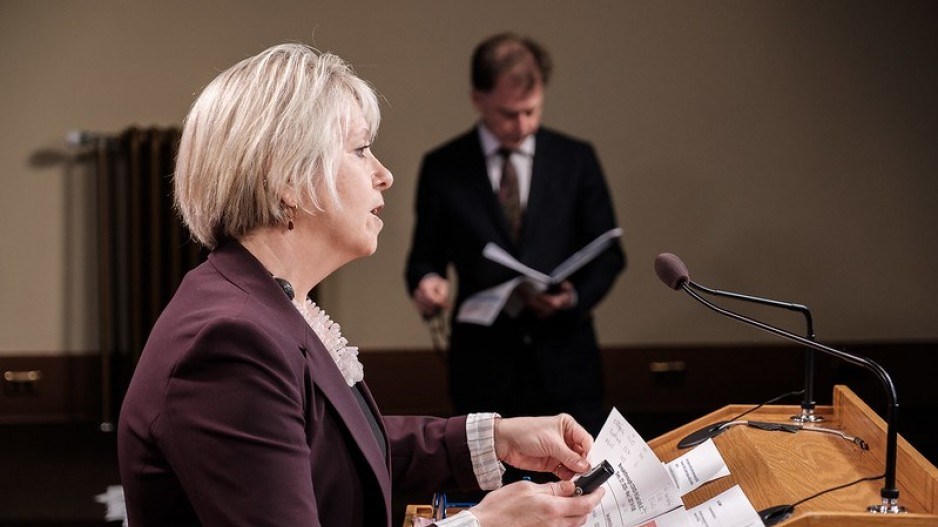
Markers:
{"x": 289, "y": 198}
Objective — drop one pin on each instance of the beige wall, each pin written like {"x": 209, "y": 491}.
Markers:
{"x": 785, "y": 149}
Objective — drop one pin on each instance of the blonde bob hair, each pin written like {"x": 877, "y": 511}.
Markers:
{"x": 272, "y": 125}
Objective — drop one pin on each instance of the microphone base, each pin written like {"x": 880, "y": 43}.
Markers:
{"x": 888, "y": 506}
{"x": 776, "y": 514}
{"x": 705, "y": 433}
{"x": 807, "y": 416}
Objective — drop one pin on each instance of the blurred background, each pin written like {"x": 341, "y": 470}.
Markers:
{"x": 782, "y": 149}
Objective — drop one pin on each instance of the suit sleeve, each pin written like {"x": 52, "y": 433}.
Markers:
{"x": 595, "y": 215}
{"x": 430, "y": 454}
{"x": 232, "y": 428}
{"x": 429, "y": 249}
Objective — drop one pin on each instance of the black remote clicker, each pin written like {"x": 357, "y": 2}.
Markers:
{"x": 593, "y": 478}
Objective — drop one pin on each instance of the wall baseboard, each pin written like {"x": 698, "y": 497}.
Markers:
{"x": 640, "y": 380}
{"x": 659, "y": 388}
{"x": 685, "y": 377}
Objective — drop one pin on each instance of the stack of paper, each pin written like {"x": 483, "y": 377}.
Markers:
{"x": 644, "y": 492}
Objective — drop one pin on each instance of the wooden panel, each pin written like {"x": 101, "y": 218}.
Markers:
{"x": 656, "y": 388}
{"x": 664, "y": 379}
{"x": 408, "y": 383}
{"x": 775, "y": 468}
{"x": 859, "y": 519}
{"x": 912, "y": 469}
{"x": 416, "y": 511}
{"x": 67, "y": 389}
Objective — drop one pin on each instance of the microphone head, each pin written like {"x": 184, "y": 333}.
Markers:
{"x": 671, "y": 270}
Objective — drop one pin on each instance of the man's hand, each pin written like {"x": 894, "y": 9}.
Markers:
{"x": 526, "y": 504}
{"x": 431, "y": 295}
{"x": 545, "y": 444}
{"x": 545, "y": 304}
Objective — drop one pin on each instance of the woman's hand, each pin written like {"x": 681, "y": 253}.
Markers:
{"x": 545, "y": 444}
{"x": 524, "y": 504}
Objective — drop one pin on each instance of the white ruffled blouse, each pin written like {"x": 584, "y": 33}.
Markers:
{"x": 330, "y": 333}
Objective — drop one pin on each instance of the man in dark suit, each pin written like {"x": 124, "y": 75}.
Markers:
{"x": 541, "y": 196}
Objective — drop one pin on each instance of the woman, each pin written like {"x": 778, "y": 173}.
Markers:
{"x": 248, "y": 406}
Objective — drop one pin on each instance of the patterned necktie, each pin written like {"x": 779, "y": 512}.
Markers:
{"x": 509, "y": 195}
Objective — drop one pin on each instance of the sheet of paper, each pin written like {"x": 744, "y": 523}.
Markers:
{"x": 676, "y": 518}
{"x": 728, "y": 509}
{"x": 568, "y": 267}
{"x": 113, "y": 498}
{"x": 701, "y": 465}
{"x": 483, "y": 307}
{"x": 501, "y": 256}
{"x": 641, "y": 488}
{"x": 584, "y": 255}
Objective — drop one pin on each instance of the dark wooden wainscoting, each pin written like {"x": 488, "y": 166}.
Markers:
{"x": 49, "y": 388}
{"x": 659, "y": 388}
{"x": 56, "y": 459}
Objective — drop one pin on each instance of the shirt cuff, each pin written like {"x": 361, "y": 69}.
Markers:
{"x": 480, "y": 435}
{"x": 463, "y": 519}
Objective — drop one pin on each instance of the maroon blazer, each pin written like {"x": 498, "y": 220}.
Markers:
{"x": 237, "y": 415}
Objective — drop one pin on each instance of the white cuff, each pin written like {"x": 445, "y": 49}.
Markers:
{"x": 463, "y": 519}
{"x": 480, "y": 434}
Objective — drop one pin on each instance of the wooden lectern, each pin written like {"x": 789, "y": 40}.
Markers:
{"x": 779, "y": 468}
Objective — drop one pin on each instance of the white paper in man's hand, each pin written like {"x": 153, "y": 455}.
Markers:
{"x": 483, "y": 307}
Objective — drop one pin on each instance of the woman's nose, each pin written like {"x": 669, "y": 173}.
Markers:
{"x": 383, "y": 177}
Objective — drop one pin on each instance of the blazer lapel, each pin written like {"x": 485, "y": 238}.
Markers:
{"x": 543, "y": 171}
{"x": 333, "y": 386}
{"x": 240, "y": 267}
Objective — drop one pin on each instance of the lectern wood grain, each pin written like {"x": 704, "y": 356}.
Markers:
{"x": 775, "y": 468}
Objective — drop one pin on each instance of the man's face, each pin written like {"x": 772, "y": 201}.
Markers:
{"x": 510, "y": 111}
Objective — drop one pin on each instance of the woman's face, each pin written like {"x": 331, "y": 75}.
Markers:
{"x": 360, "y": 180}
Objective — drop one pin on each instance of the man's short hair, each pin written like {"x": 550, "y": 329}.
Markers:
{"x": 508, "y": 53}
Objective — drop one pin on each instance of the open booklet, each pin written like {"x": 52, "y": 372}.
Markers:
{"x": 483, "y": 307}
{"x": 644, "y": 492}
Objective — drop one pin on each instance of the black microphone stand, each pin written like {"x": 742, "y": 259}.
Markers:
{"x": 807, "y": 403}
{"x": 889, "y": 492}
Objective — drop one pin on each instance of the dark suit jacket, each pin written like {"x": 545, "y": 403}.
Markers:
{"x": 568, "y": 206}
{"x": 237, "y": 415}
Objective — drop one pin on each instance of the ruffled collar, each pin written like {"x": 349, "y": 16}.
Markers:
{"x": 330, "y": 333}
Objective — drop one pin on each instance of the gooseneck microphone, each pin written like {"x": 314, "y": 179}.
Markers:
{"x": 672, "y": 271}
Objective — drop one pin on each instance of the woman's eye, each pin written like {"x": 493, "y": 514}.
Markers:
{"x": 360, "y": 151}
